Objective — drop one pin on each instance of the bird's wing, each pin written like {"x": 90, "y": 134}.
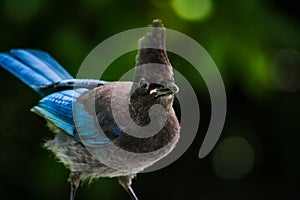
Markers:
{"x": 58, "y": 108}
{"x": 64, "y": 112}
{"x": 88, "y": 128}
{"x": 95, "y": 124}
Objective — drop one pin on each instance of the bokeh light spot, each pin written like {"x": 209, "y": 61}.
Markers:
{"x": 192, "y": 9}
{"x": 233, "y": 158}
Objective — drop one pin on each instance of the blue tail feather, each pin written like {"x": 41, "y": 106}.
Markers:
{"x": 36, "y": 65}
{"x": 33, "y": 67}
{"x": 59, "y": 90}
{"x": 51, "y": 63}
{"x": 22, "y": 71}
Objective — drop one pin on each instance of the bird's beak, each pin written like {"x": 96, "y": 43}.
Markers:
{"x": 170, "y": 88}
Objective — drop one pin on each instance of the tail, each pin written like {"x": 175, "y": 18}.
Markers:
{"x": 33, "y": 67}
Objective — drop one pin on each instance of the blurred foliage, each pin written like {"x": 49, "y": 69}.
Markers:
{"x": 191, "y": 9}
{"x": 255, "y": 45}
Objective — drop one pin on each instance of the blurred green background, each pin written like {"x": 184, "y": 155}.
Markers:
{"x": 256, "y": 47}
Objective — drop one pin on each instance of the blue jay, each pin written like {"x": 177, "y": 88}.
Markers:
{"x": 77, "y": 135}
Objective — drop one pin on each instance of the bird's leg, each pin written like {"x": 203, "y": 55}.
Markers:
{"x": 125, "y": 181}
{"x": 74, "y": 180}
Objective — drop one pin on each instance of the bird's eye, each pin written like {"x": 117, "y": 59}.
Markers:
{"x": 143, "y": 83}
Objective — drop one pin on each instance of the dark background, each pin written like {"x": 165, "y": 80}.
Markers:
{"x": 256, "y": 47}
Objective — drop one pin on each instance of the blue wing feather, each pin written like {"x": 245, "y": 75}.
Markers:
{"x": 88, "y": 128}
{"x": 57, "y": 108}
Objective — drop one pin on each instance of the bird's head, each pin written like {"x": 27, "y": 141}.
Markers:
{"x": 158, "y": 90}
{"x": 147, "y": 94}
{"x": 154, "y": 82}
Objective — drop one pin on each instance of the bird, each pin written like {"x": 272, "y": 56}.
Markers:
{"x": 88, "y": 139}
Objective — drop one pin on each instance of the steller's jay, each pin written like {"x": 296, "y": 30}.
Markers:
{"x": 74, "y": 107}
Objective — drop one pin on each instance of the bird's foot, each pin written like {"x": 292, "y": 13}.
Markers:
{"x": 125, "y": 181}
{"x": 74, "y": 180}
